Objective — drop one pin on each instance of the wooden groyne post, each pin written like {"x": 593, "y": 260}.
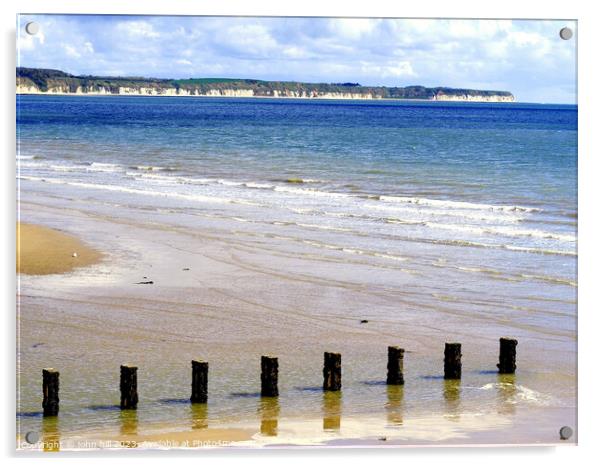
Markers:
{"x": 332, "y": 372}
{"x": 50, "y": 389}
{"x": 200, "y": 378}
{"x": 269, "y": 376}
{"x": 395, "y": 366}
{"x": 128, "y": 385}
{"x": 453, "y": 361}
{"x": 507, "y": 364}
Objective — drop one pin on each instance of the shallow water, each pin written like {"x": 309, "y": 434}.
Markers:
{"x": 434, "y": 222}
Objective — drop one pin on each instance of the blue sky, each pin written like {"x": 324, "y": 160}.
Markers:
{"x": 525, "y": 57}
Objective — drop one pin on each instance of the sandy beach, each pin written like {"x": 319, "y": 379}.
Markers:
{"x": 43, "y": 251}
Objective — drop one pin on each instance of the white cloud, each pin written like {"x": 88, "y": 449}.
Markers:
{"x": 71, "y": 51}
{"x": 395, "y": 70}
{"x": 249, "y": 39}
{"x": 138, "y": 29}
{"x": 28, "y": 42}
{"x": 296, "y": 52}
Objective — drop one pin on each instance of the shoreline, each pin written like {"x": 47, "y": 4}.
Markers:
{"x": 45, "y": 251}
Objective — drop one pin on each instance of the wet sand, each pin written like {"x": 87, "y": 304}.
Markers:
{"x": 166, "y": 438}
{"x": 43, "y": 251}
{"x": 221, "y": 294}
{"x": 360, "y": 431}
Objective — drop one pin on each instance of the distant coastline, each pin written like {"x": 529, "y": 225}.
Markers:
{"x": 56, "y": 82}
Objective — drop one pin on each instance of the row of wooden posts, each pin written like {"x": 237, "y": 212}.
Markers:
{"x": 128, "y": 384}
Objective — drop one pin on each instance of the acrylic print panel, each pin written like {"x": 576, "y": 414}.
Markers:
{"x": 246, "y": 232}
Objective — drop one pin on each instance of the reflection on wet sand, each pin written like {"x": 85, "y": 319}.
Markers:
{"x": 198, "y": 415}
{"x": 451, "y": 394}
{"x": 394, "y": 405}
{"x": 129, "y": 423}
{"x": 51, "y": 437}
{"x": 506, "y": 392}
{"x": 332, "y": 410}
{"x": 269, "y": 410}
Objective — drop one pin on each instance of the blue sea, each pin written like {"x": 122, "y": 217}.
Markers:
{"x": 385, "y": 175}
{"x": 467, "y": 210}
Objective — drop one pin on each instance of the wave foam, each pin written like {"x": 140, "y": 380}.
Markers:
{"x": 104, "y": 167}
{"x": 123, "y": 189}
{"x": 491, "y": 230}
{"x": 152, "y": 168}
{"x": 455, "y": 204}
{"x": 520, "y": 393}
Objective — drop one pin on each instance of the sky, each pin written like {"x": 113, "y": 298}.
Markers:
{"x": 527, "y": 58}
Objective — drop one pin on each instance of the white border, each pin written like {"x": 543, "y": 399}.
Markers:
{"x": 590, "y": 384}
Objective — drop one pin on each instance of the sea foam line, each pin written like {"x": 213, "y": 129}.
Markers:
{"x": 81, "y": 168}
{"x": 505, "y": 217}
{"x": 152, "y": 168}
{"x": 142, "y": 172}
{"x": 213, "y": 199}
{"x": 456, "y": 204}
{"x": 442, "y": 208}
{"x": 476, "y": 230}
{"x": 123, "y": 189}
{"x": 491, "y": 230}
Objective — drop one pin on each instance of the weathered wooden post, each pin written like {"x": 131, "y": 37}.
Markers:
{"x": 453, "y": 361}
{"x": 395, "y": 366}
{"x": 507, "y": 363}
{"x": 50, "y": 389}
{"x": 269, "y": 376}
{"x": 128, "y": 384}
{"x": 332, "y": 372}
{"x": 200, "y": 377}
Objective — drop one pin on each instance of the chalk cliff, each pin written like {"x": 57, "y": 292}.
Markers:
{"x": 42, "y": 81}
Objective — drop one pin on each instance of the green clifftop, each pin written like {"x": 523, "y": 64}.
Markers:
{"x": 36, "y": 81}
